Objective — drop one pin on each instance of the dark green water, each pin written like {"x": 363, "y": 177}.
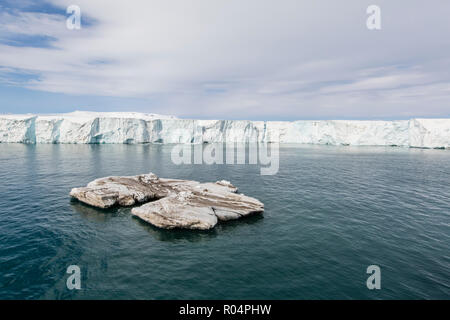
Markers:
{"x": 330, "y": 213}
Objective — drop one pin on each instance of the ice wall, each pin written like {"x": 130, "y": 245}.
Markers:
{"x": 91, "y": 127}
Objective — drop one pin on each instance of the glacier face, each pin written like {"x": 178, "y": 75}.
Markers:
{"x": 121, "y": 127}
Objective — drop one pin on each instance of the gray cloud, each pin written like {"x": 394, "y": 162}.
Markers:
{"x": 276, "y": 59}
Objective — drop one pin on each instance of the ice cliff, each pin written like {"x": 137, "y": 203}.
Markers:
{"x": 121, "y": 127}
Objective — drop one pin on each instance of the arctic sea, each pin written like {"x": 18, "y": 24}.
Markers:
{"x": 330, "y": 212}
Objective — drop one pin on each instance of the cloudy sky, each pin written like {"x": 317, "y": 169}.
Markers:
{"x": 230, "y": 59}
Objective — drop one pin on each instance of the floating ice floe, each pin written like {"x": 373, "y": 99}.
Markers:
{"x": 170, "y": 203}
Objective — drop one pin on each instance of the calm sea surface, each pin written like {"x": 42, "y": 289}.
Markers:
{"x": 330, "y": 213}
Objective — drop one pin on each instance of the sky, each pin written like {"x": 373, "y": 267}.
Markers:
{"x": 228, "y": 59}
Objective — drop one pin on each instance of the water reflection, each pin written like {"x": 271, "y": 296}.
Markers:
{"x": 176, "y": 235}
{"x": 92, "y": 213}
{"x": 233, "y": 224}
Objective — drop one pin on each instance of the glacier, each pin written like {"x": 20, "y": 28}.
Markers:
{"x": 131, "y": 127}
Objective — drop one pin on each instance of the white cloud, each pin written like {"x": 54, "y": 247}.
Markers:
{"x": 290, "y": 58}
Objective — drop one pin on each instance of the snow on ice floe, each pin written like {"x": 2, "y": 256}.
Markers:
{"x": 132, "y": 127}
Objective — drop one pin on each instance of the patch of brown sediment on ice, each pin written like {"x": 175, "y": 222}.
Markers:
{"x": 122, "y": 191}
{"x": 171, "y": 203}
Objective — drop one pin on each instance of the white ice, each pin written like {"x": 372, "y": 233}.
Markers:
{"x": 126, "y": 127}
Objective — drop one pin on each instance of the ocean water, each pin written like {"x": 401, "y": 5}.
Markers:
{"x": 330, "y": 212}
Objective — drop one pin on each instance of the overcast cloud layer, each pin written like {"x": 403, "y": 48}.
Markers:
{"x": 287, "y": 59}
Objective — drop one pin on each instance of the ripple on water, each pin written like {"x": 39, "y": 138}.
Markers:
{"x": 330, "y": 212}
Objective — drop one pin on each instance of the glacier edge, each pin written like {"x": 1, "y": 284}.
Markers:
{"x": 97, "y": 127}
